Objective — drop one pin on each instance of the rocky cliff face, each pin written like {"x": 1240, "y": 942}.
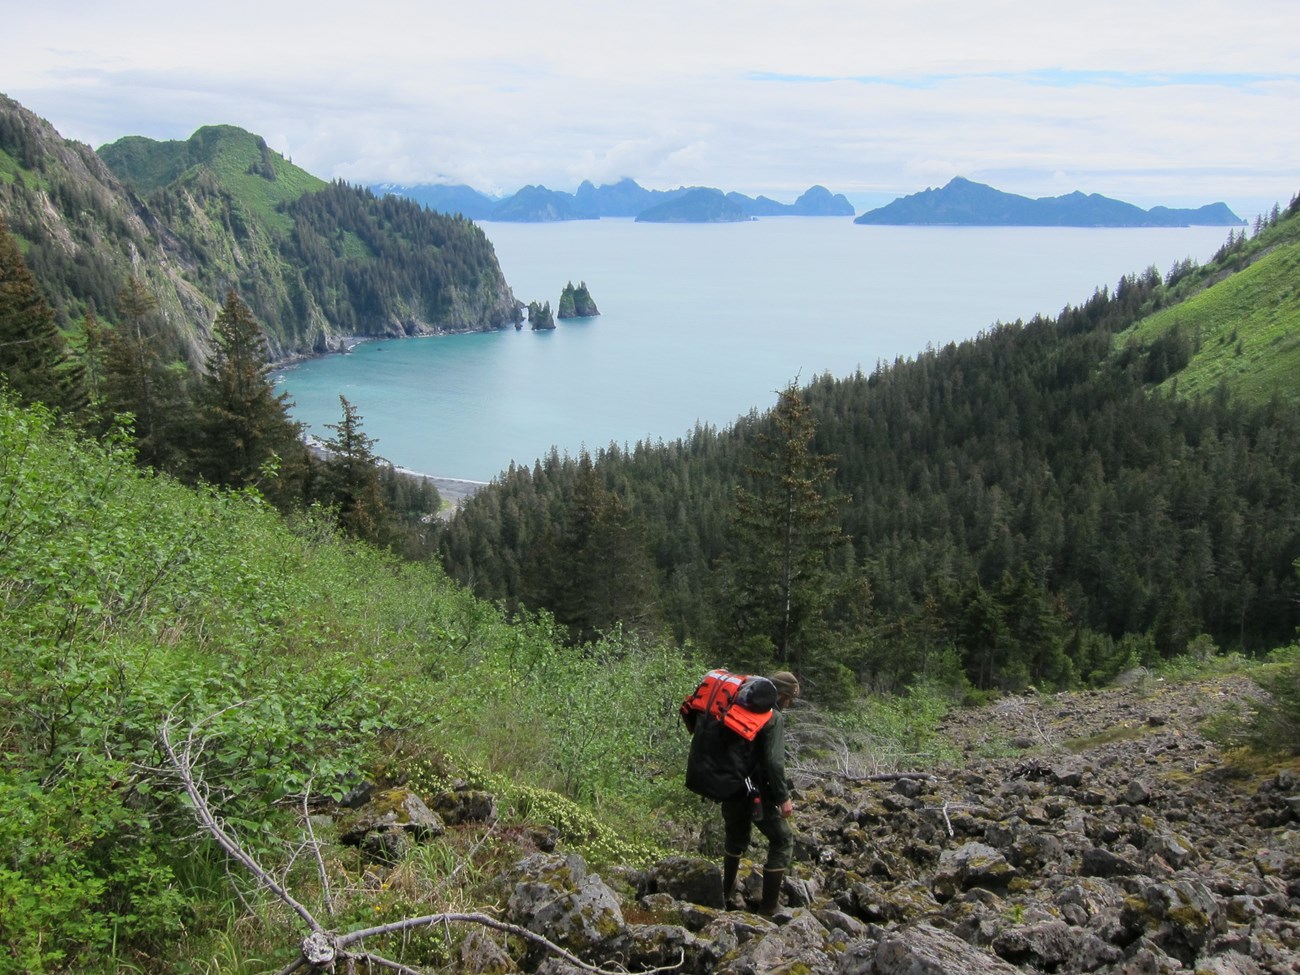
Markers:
{"x": 318, "y": 263}
{"x": 1119, "y": 840}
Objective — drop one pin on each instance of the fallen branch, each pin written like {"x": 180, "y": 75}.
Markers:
{"x": 322, "y": 949}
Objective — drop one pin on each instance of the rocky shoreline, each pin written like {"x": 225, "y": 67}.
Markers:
{"x": 1117, "y": 840}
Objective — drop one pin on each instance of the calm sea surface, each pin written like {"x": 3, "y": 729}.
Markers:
{"x": 702, "y": 322}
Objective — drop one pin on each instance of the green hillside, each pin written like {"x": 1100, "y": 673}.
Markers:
{"x": 316, "y": 262}
{"x": 1239, "y": 330}
{"x": 310, "y": 664}
{"x": 239, "y": 158}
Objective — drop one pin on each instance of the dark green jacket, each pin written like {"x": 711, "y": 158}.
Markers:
{"x": 769, "y": 759}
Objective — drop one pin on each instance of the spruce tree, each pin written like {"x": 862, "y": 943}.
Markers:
{"x": 785, "y": 527}
{"x": 137, "y": 381}
{"x": 352, "y": 477}
{"x": 246, "y": 436}
{"x": 33, "y": 354}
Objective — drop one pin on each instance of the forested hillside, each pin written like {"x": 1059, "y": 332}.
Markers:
{"x": 1037, "y": 505}
{"x": 191, "y": 220}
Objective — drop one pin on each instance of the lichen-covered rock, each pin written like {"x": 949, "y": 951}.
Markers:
{"x": 457, "y": 806}
{"x": 800, "y": 947}
{"x": 1172, "y": 848}
{"x": 1180, "y": 918}
{"x": 688, "y": 879}
{"x": 1044, "y": 945}
{"x": 398, "y": 808}
{"x": 557, "y": 898}
{"x": 386, "y": 845}
{"x": 481, "y": 955}
{"x": 923, "y": 949}
{"x": 644, "y": 946}
{"x": 1099, "y": 862}
{"x": 971, "y": 865}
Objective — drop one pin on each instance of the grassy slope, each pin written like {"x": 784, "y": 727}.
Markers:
{"x": 125, "y": 597}
{"x": 1245, "y": 328}
{"x": 230, "y": 153}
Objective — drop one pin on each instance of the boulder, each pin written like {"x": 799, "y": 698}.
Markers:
{"x": 390, "y": 809}
{"x": 556, "y": 897}
{"x": 971, "y": 865}
{"x": 481, "y": 955}
{"x": 923, "y": 949}
{"x": 688, "y": 879}
{"x": 457, "y": 806}
{"x": 799, "y": 947}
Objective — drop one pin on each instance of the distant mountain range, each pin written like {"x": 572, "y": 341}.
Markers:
{"x": 626, "y": 198}
{"x": 960, "y": 203}
{"x": 965, "y": 203}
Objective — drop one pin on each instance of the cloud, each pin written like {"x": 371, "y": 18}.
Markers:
{"x": 1152, "y": 101}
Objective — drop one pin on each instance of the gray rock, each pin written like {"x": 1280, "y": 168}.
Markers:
{"x": 1180, "y": 918}
{"x": 1172, "y": 848}
{"x": 802, "y": 945}
{"x": 398, "y": 808}
{"x": 688, "y": 879}
{"x": 1229, "y": 963}
{"x": 1138, "y": 793}
{"x": 481, "y": 955}
{"x": 1098, "y": 862}
{"x": 385, "y": 845}
{"x": 1045, "y": 945}
{"x": 644, "y": 946}
{"x": 926, "y": 950}
{"x": 971, "y": 865}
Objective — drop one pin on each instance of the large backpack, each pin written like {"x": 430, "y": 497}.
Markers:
{"x": 724, "y": 715}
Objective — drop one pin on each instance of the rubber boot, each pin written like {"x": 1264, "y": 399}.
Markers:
{"x": 730, "y": 868}
{"x": 772, "y": 880}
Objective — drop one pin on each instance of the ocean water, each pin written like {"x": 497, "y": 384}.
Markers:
{"x": 702, "y": 323}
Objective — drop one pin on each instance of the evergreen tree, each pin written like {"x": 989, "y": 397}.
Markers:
{"x": 33, "y": 355}
{"x": 352, "y": 477}
{"x": 244, "y": 427}
{"x": 137, "y": 381}
{"x": 786, "y": 528}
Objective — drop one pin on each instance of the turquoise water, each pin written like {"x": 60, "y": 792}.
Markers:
{"x": 702, "y": 322}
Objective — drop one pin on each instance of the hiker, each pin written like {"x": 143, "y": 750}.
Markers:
{"x": 739, "y": 815}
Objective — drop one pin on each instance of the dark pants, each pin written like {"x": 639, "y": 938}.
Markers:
{"x": 738, "y": 819}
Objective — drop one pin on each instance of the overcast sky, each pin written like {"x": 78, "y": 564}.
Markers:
{"x": 1176, "y": 103}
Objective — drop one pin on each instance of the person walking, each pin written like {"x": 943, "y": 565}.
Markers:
{"x": 739, "y": 816}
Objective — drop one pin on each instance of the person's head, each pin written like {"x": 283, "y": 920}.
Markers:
{"x": 787, "y": 687}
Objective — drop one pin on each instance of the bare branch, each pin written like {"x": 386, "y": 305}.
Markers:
{"x": 183, "y": 763}
{"x": 488, "y": 921}
{"x": 322, "y": 949}
{"x": 320, "y": 862}
{"x": 382, "y": 962}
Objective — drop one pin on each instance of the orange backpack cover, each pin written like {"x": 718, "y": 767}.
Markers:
{"x": 716, "y": 696}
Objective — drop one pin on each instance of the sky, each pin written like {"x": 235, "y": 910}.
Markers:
{"x": 1170, "y": 103}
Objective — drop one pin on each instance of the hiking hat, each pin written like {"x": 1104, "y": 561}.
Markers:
{"x": 787, "y": 684}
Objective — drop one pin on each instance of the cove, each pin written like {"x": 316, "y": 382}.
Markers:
{"x": 702, "y": 323}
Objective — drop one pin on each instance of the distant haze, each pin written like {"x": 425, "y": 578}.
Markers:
{"x": 1157, "y": 103}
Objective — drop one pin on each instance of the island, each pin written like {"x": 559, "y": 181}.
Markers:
{"x": 577, "y": 302}
{"x": 626, "y": 198}
{"x": 969, "y": 204}
{"x": 698, "y": 205}
{"x": 540, "y": 318}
